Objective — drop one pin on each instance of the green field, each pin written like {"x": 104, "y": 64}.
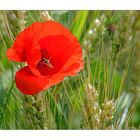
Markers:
{"x": 104, "y": 95}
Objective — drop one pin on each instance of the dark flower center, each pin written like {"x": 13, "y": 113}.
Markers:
{"x": 45, "y": 65}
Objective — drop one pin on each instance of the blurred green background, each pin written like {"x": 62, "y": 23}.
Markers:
{"x": 105, "y": 95}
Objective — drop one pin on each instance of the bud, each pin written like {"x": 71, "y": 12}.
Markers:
{"x": 111, "y": 28}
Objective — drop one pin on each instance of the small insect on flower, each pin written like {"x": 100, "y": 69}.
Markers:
{"x": 51, "y": 52}
{"x": 47, "y": 61}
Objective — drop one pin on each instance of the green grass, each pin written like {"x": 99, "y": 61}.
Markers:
{"x": 105, "y": 95}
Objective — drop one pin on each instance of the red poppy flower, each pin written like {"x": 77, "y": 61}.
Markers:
{"x": 51, "y": 52}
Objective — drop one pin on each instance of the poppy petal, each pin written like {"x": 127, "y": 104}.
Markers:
{"x": 12, "y": 55}
{"x": 29, "y": 83}
{"x": 75, "y": 63}
{"x": 55, "y": 29}
{"x": 31, "y": 35}
{"x": 24, "y": 41}
{"x": 54, "y": 79}
{"x": 33, "y": 56}
{"x": 57, "y": 47}
{"x": 60, "y": 49}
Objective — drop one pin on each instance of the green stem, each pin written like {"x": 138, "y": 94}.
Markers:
{"x": 6, "y": 98}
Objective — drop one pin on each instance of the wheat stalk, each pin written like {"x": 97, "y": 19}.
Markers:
{"x": 97, "y": 116}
